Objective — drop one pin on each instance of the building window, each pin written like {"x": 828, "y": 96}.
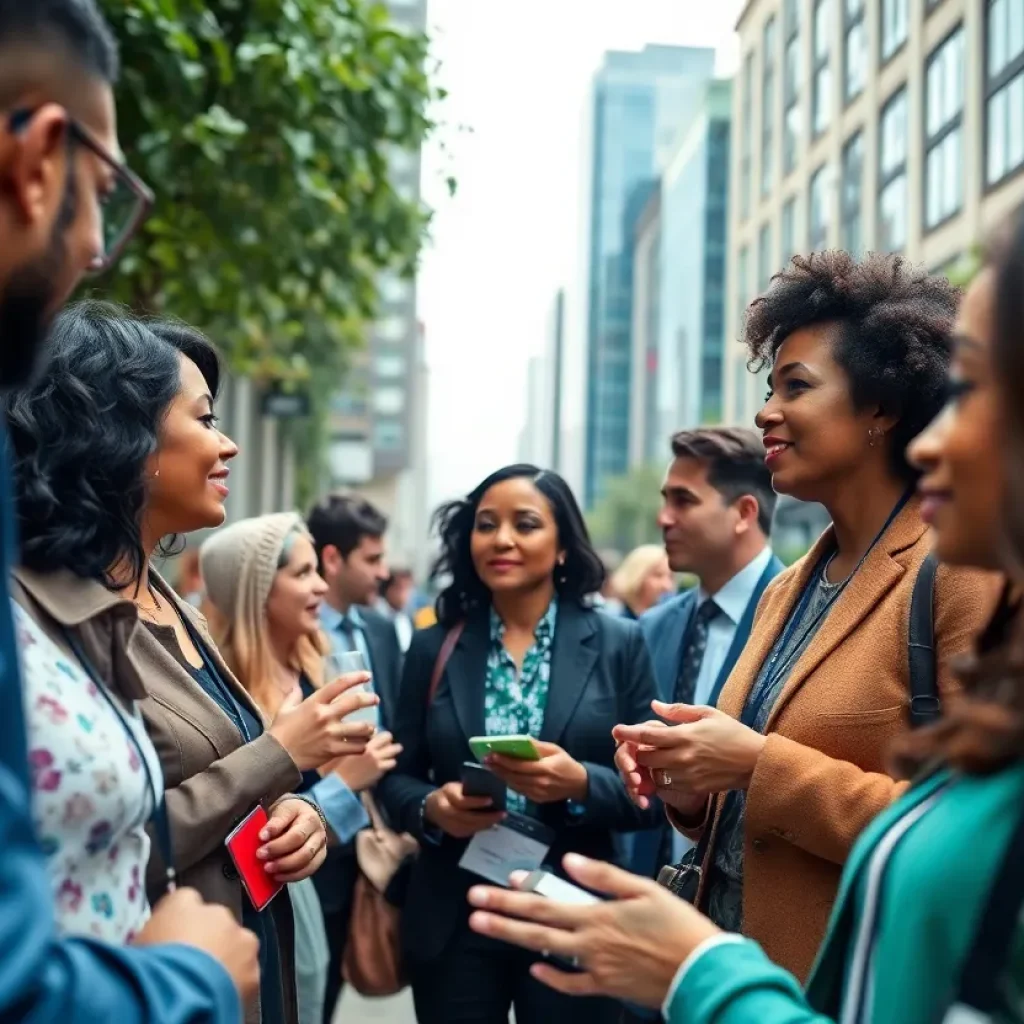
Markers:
{"x": 388, "y": 435}
{"x": 765, "y": 259}
{"x": 388, "y": 401}
{"x": 817, "y": 210}
{"x": 895, "y": 26}
{"x": 349, "y": 403}
{"x": 742, "y": 285}
{"x": 393, "y": 289}
{"x": 853, "y": 195}
{"x": 821, "y": 87}
{"x": 392, "y": 328}
{"x": 768, "y": 108}
{"x": 788, "y": 229}
{"x": 389, "y": 365}
{"x": 791, "y": 88}
{"x": 746, "y": 126}
{"x": 892, "y": 175}
{"x": 855, "y": 50}
{"x": 1004, "y": 78}
{"x": 944, "y": 107}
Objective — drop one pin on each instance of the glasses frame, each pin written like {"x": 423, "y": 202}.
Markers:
{"x": 144, "y": 197}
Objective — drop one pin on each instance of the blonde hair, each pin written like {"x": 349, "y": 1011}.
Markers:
{"x": 236, "y": 608}
{"x": 628, "y": 579}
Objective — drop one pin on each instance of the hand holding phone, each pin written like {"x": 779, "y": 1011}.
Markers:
{"x": 522, "y": 747}
{"x": 242, "y": 843}
{"x": 345, "y": 663}
{"x": 479, "y": 781}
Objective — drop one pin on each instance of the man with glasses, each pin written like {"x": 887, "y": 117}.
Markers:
{"x": 67, "y": 207}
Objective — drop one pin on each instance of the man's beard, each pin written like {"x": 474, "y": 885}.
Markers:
{"x": 27, "y": 304}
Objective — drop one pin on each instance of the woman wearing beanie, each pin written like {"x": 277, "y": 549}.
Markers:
{"x": 115, "y": 449}
{"x": 264, "y": 593}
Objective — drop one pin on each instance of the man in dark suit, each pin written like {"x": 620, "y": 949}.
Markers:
{"x": 348, "y": 534}
{"x": 716, "y": 514}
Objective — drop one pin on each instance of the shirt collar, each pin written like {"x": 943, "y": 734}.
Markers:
{"x": 331, "y": 619}
{"x": 545, "y": 628}
{"x": 734, "y": 597}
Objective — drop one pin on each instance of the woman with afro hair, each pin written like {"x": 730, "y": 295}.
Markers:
{"x": 779, "y": 781}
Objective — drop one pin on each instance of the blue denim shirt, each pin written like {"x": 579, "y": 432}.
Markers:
{"x": 43, "y": 977}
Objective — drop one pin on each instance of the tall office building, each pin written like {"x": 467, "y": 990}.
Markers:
{"x": 639, "y": 100}
{"x": 679, "y": 285}
{"x": 377, "y": 421}
{"x": 891, "y": 125}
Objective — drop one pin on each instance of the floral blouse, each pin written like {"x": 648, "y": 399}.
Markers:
{"x": 515, "y": 702}
{"x": 91, "y": 798}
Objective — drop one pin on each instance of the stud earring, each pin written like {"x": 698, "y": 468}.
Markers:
{"x": 873, "y": 435}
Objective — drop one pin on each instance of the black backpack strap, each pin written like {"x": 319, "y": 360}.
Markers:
{"x": 980, "y": 985}
{"x": 925, "y": 705}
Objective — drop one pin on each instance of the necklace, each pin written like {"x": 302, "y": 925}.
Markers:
{"x": 824, "y": 582}
{"x": 146, "y": 611}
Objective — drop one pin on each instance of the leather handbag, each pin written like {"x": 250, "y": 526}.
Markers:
{"x": 372, "y": 962}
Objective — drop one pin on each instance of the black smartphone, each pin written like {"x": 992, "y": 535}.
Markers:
{"x": 480, "y": 781}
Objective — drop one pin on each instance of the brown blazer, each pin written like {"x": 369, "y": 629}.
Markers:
{"x": 822, "y": 775}
{"x": 211, "y": 779}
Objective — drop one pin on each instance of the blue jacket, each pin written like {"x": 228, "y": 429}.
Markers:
{"x": 44, "y": 978}
{"x": 664, "y": 629}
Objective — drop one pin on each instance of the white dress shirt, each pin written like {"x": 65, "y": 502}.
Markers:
{"x": 732, "y": 601}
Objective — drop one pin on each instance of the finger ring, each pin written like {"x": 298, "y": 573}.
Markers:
{"x": 664, "y": 779}
{"x": 546, "y": 954}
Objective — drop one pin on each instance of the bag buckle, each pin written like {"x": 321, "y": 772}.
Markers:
{"x": 676, "y": 877}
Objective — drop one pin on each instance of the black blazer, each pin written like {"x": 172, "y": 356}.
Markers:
{"x": 385, "y": 658}
{"x": 601, "y": 675}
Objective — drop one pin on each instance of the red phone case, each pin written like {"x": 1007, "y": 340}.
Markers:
{"x": 242, "y": 844}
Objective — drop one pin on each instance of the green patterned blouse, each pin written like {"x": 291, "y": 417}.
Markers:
{"x": 514, "y": 703}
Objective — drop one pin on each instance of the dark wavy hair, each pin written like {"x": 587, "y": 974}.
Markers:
{"x": 81, "y": 435}
{"x": 583, "y": 573}
{"x": 892, "y": 333}
{"x": 983, "y": 731}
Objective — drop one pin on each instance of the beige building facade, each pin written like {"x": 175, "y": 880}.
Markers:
{"x": 887, "y": 125}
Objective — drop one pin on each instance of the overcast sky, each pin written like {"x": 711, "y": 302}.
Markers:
{"x": 519, "y": 74}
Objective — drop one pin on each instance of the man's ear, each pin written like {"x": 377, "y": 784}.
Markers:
{"x": 749, "y": 511}
{"x": 38, "y": 166}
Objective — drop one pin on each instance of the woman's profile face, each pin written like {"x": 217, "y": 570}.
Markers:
{"x": 188, "y": 473}
{"x": 960, "y": 454}
{"x": 293, "y": 605}
{"x": 814, "y": 438}
{"x": 514, "y": 544}
{"x": 658, "y": 583}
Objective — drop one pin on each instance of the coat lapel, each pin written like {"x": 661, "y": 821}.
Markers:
{"x": 379, "y": 661}
{"x": 870, "y": 583}
{"x": 573, "y": 657}
{"x": 466, "y": 674}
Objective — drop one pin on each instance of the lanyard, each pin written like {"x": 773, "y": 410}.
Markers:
{"x": 161, "y": 823}
{"x": 774, "y": 671}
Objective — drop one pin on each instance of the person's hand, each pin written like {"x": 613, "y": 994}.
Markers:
{"x": 362, "y": 771}
{"x": 638, "y": 781}
{"x": 313, "y": 731}
{"x": 629, "y": 947}
{"x": 458, "y": 815}
{"x": 556, "y": 776}
{"x": 707, "y": 752}
{"x": 183, "y": 918}
{"x": 295, "y": 841}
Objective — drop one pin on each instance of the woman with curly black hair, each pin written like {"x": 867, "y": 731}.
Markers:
{"x": 116, "y": 448}
{"x": 779, "y": 781}
{"x": 517, "y": 651}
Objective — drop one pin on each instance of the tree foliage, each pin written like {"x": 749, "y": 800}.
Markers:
{"x": 265, "y": 127}
{"x": 627, "y": 516}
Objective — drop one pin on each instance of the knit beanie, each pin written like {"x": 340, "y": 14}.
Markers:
{"x": 239, "y": 562}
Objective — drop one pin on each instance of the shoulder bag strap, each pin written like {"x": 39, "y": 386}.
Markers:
{"x": 980, "y": 986}
{"x": 925, "y": 705}
{"x": 450, "y": 640}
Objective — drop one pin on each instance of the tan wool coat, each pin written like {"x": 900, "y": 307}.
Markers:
{"x": 823, "y": 773}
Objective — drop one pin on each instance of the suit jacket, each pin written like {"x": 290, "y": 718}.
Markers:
{"x": 665, "y": 628}
{"x": 213, "y": 779}
{"x": 600, "y": 675}
{"x": 75, "y": 980}
{"x": 822, "y": 775}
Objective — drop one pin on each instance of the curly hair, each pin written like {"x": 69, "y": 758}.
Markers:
{"x": 893, "y": 323}
{"x": 583, "y": 573}
{"x": 81, "y": 435}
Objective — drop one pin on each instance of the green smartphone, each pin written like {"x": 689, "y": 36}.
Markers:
{"x": 522, "y": 747}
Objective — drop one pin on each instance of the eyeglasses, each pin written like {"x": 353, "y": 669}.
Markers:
{"x": 125, "y": 207}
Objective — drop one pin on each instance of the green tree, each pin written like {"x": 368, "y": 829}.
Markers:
{"x": 627, "y": 515}
{"x": 265, "y": 128}
{"x": 964, "y": 270}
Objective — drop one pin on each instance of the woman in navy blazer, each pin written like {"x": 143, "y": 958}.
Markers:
{"x": 533, "y": 657}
